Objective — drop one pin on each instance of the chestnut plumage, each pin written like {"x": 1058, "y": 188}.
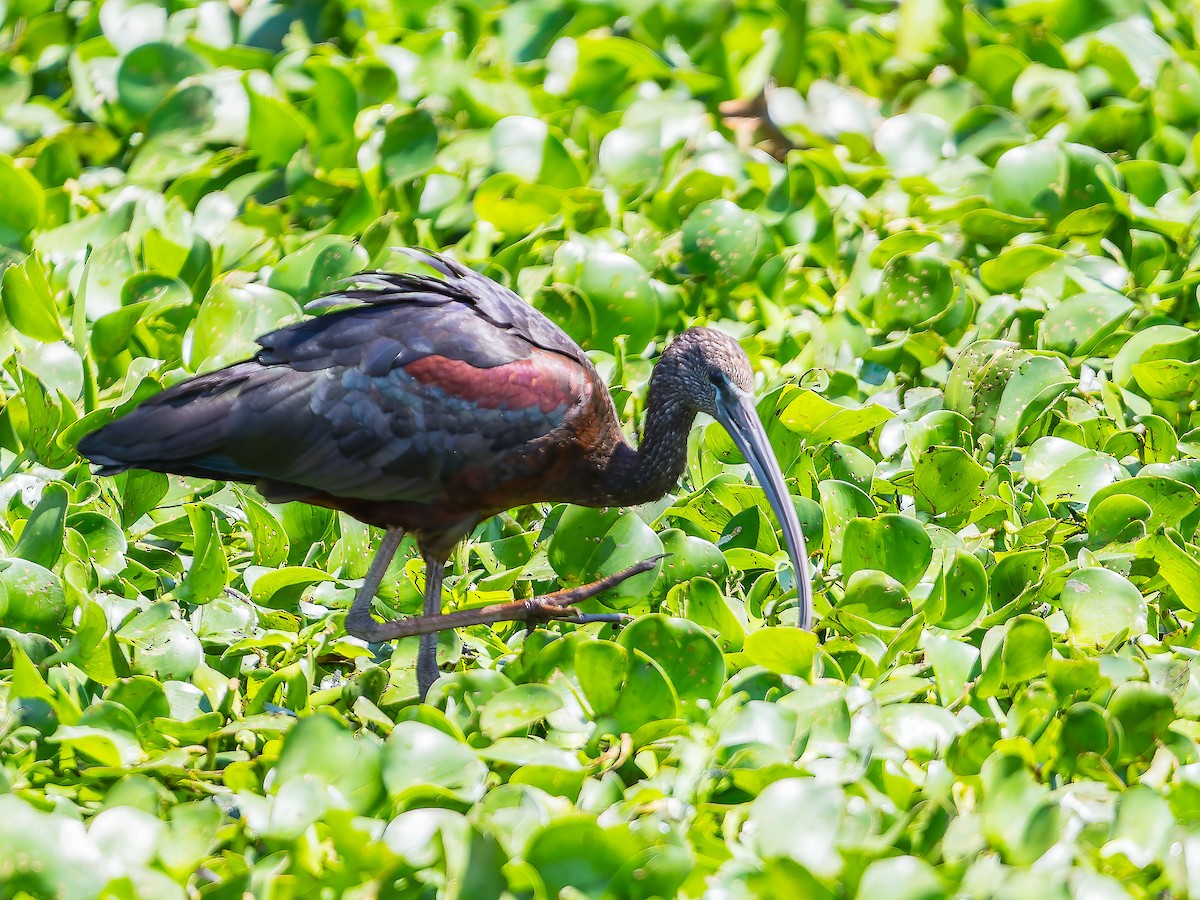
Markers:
{"x": 427, "y": 404}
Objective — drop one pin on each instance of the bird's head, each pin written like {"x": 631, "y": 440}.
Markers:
{"x": 709, "y": 369}
{"x": 710, "y": 373}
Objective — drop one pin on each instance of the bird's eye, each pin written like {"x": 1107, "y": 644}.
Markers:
{"x": 715, "y": 377}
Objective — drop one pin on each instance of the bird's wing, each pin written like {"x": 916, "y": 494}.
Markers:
{"x": 420, "y": 401}
{"x": 495, "y": 304}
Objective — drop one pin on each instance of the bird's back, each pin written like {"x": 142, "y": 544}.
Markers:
{"x": 450, "y": 395}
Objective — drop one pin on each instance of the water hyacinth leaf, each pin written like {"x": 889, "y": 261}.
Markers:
{"x": 624, "y": 685}
{"x": 24, "y": 208}
{"x": 229, "y": 320}
{"x": 576, "y": 854}
{"x": 421, "y": 761}
{"x": 915, "y": 289}
{"x": 590, "y": 544}
{"x": 209, "y": 572}
{"x": 819, "y": 420}
{"x": 283, "y": 588}
{"x": 1035, "y": 385}
{"x": 978, "y": 379}
{"x": 1026, "y": 647}
{"x": 277, "y": 130}
{"x": 781, "y": 649}
{"x": 684, "y": 651}
{"x": 912, "y": 143}
{"x": 621, "y": 299}
{"x": 33, "y": 598}
{"x": 409, "y": 146}
{"x": 1101, "y": 604}
{"x": 1017, "y": 812}
{"x": 841, "y": 503}
{"x": 1140, "y": 343}
{"x": 28, "y": 301}
{"x": 104, "y": 539}
{"x": 41, "y": 540}
{"x": 946, "y": 479}
{"x": 890, "y": 543}
{"x": 517, "y": 708}
{"x": 1086, "y": 730}
{"x": 959, "y": 593}
{"x": 1065, "y": 471}
{"x": 953, "y": 663}
{"x": 1144, "y": 712}
{"x": 143, "y": 297}
{"x": 318, "y": 267}
{"x": 140, "y": 492}
{"x": 691, "y": 557}
{"x": 901, "y": 878}
{"x": 1077, "y": 325}
{"x": 514, "y": 205}
{"x": 707, "y": 606}
{"x": 1013, "y": 267}
{"x": 810, "y": 840}
{"x": 320, "y": 748}
{"x": 1170, "y": 501}
{"x": 1178, "y": 563}
{"x": 722, "y": 241}
{"x": 149, "y": 72}
{"x": 162, "y": 646}
{"x": 269, "y": 539}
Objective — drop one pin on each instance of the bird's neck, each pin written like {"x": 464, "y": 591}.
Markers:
{"x": 647, "y": 472}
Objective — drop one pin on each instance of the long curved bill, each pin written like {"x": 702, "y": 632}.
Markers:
{"x": 736, "y": 412}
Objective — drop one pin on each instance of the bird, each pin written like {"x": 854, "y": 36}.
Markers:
{"x": 425, "y": 404}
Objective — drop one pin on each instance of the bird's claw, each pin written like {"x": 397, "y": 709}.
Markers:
{"x": 537, "y": 611}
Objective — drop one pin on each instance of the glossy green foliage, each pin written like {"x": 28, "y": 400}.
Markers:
{"x": 957, "y": 241}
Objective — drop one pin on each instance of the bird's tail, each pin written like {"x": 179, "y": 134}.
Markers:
{"x": 180, "y": 431}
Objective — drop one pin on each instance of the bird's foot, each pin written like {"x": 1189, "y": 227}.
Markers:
{"x": 539, "y": 613}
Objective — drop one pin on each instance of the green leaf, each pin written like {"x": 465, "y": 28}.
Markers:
{"x": 283, "y": 588}
{"x": 230, "y": 318}
{"x": 820, "y": 420}
{"x": 420, "y": 761}
{"x": 208, "y": 574}
{"x": 517, "y": 708}
{"x": 1178, "y": 563}
{"x": 24, "y": 206}
{"x": 890, "y": 543}
{"x": 276, "y": 131}
{"x": 624, "y": 685}
{"x": 32, "y": 596}
{"x": 574, "y": 853}
{"x": 621, "y": 299}
{"x": 722, "y": 241}
{"x": 782, "y": 649}
{"x": 409, "y": 146}
{"x": 685, "y": 653}
{"x": 320, "y": 748}
{"x": 589, "y": 544}
{"x": 916, "y": 288}
{"x": 149, "y": 72}
{"x": 707, "y": 606}
{"x": 28, "y": 302}
{"x": 41, "y": 539}
{"x": 1101, "y": 604}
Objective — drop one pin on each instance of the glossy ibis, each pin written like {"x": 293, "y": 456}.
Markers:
{"x": 425, "y": 405}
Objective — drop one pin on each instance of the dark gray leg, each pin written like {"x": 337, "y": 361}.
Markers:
{"x": 427, "y": 667}
{"x": 358, "y": 621}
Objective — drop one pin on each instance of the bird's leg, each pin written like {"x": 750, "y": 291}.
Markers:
{"x": 427, "y": 667}
{"x": 359, "y": 621}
